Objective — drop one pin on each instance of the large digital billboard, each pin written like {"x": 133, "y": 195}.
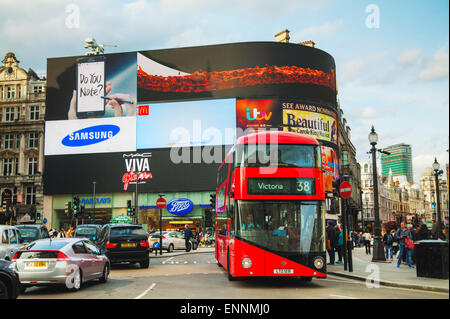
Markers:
{"x": 167, "y": 117}
{"x": 182, "y": 124}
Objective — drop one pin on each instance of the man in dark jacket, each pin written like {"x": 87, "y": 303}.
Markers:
{"x": 331, "y": 241}
{"x": 187, "y": 237}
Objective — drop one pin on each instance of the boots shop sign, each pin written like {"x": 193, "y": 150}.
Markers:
{"x": 137, "y": 166}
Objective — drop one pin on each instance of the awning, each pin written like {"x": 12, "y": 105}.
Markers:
{"x": 121, "y": 219}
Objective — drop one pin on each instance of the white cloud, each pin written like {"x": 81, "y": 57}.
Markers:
{"x": 436, "y": 67}
{"x": 423, "y": 161}
{"x": 317, "y": 32}
{"x": 368, "y": 112}
{"x": 409, "y": 56}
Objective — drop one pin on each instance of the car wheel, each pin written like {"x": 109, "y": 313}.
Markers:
{"x": 145, "y": 263}
{"x": 3, "y": 290}
{"x": 104, "y": 277}
{"x": 170, "y": 248}
{"x": 75, "y": 283}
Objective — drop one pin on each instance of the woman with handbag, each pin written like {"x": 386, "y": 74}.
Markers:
{"x": 404, "y": 237}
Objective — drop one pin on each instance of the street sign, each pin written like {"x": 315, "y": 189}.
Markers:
{"x": 155, "y": 245}
{"x": 345, "y": 189}
{"x": 161, "y": 203}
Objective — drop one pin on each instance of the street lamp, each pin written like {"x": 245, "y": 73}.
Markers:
{"x": 378, "y": 249}
{"x": 437, "y": 172}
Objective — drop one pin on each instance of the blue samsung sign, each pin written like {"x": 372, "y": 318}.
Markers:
{"x": 90, "y": 135}
{"x": 180, "y": 206}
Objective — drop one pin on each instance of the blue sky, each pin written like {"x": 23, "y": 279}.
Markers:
{"x": 394, "y": 76}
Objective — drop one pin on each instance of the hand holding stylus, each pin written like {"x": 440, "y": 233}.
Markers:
{"x": 115, "y": 102}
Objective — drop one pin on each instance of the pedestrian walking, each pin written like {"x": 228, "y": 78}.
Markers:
{"x": 187, "y": 237}
{"x": 401, "y": 235}
{"x": 395, "y": 246}
{"x": 388, "y": 240}
{"x": 340, "y": 243}
{"x": 367, "y": 241}
{"x": 331, "y": 242}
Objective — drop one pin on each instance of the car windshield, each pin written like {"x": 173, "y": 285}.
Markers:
{"x": 282, "y": 226}
{"x": 127, "y": 231}
{"x": 28, "y": 234}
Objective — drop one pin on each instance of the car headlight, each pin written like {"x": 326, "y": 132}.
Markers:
{"x": 318, "y": 262}
{"x": 246, "y": 262}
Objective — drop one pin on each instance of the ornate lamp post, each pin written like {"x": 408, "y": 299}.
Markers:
{"x": 378, "y": 249}
{"x": 437, "y": 172}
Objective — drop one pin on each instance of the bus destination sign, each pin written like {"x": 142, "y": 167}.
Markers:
{"x": 281, "y": 186}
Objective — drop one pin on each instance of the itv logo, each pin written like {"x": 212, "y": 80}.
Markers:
{"x": 256, "y": 114}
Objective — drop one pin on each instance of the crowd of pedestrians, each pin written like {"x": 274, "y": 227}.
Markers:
{"x": 397, "y": 242}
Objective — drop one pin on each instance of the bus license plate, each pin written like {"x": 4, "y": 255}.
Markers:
{"x": 283, "y": 271}
{"x": 36, "y": 264}
{"x": 128, "y": 245}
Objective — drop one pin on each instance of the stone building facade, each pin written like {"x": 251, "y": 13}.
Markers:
{"x": 22, "y": 109}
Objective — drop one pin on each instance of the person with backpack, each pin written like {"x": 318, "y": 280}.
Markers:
{"x": 340, "y": 243}
{"x": 403, "y": 235}
{"x": 388, "y": 241}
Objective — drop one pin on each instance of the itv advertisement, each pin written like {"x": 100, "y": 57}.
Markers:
{"x": 165, "y": 119}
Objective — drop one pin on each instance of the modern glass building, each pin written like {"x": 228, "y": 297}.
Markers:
{"x": 400, "y": 161}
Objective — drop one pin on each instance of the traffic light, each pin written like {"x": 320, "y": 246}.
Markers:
{"x": 336, "y": 185}
{"x": 81, "y": 211}
{"x": 89, "y": 216}
{"x": 76, "y": 206}
{"x": 129, "y": 208}
{"x": 38, "y": 216}
{"x": 68, "y": 209}
{"x": 213, "y": 202}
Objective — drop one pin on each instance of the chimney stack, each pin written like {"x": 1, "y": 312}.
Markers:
{"x": 309, "y": 43}
{"x": 283, "y": 36}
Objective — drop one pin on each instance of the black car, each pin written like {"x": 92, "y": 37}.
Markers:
{"x": 32, "y": 232}
{"x": 9, "y": 281}
{"x": 125, "y": 243}
{"x": 90, "y": 231}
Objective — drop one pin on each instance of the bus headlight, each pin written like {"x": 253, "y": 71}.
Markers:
{"x": 318, "y": 262}
{"x": 246, "y": 262}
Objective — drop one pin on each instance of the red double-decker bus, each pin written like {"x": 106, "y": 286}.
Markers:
{"x": 270, "y": 214}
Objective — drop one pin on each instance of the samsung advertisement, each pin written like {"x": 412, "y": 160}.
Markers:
{"x": 165, "y": 119}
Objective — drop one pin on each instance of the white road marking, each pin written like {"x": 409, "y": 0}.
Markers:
{"x": 145, "y": 292}
{"x": 340, "y": 296}
{"x": 185, "y": 262}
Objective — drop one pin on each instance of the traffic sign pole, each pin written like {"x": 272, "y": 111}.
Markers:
{"x": 161, "y": 203}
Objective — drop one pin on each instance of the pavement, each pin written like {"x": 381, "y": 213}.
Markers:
{"x": 386, "y": 273}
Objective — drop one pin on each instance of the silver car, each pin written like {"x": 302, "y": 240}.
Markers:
{"x": 10, "y": 241}
{"x": 66, "y": 261}
{"x": 170, "y": 240}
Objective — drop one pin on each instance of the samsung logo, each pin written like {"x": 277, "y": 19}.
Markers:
{"x": 90, "y": 135}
